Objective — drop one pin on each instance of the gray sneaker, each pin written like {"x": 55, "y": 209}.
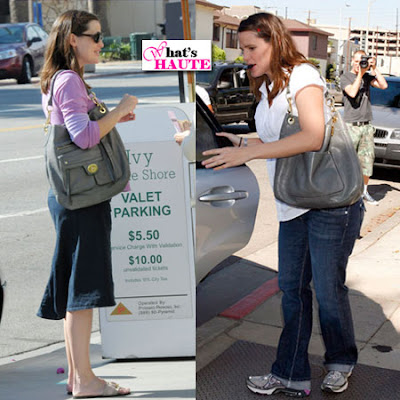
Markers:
{"x": 369, "y": 199}
{"x": 335, "y": 381}
{"x": 269, "y": 384}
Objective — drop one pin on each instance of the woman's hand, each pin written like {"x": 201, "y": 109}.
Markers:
{"x": 226, "y": 157}
{"x": 180, "y": 136}
{"x": 125, "y": 108}
{"x": 128, "y": 117}
{"x": 122, "y": 113}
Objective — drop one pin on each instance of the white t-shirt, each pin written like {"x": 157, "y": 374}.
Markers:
{"x": 269, "y": 121}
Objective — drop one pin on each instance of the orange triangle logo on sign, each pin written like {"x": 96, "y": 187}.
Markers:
{"x": 121, "y": 310}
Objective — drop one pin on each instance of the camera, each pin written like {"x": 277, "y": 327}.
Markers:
{"x": 364, "y": 61}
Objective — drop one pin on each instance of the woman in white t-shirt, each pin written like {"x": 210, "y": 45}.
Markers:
{"x": 313, "y": 244}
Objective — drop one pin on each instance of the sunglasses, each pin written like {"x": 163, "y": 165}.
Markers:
{"x": 96, "y": 36}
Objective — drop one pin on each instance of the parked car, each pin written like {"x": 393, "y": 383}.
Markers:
{"x": 386, "y": 120}
{"x": 226, "y": 200}
{"x": 22, "y": 48}
{"x": 229, "y": 91}
{"x": 335, "y": 92}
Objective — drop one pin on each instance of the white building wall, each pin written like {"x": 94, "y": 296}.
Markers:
{"x": 204, "y": 23}
{"x": 232, "y": 54}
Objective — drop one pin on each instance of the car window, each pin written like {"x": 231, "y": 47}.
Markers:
{"x": 226, "y": 79}
{"x": 243, "y": 79}
{"x": 206, "y": 126}
{"x": 31, "y": 33}
{"x": 11, "y": 34}
{"x": 389, "y": 97}
{"x": 206, "y": 76}
{"x": 40, "y": 32}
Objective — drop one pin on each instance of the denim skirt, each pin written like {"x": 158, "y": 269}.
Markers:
{"x": 81, "y": 273}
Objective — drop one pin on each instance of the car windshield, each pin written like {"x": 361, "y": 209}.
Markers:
{"x": 11, "y": 34}
{"x": 389, "y": 97}
{"x": 206, "y": 76}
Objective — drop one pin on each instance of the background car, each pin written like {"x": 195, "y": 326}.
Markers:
{"x": 22, "y": 48}
{"x": 386, "y": 120}
{"x": 335, "y": 92}
{"x": 229, "y": 91}
{"x": 226, "y": 200}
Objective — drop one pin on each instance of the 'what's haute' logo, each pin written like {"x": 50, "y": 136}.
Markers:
{"x": 176, "y": 55}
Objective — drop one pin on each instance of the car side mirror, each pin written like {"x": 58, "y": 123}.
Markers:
{"x": 34, "y": 40}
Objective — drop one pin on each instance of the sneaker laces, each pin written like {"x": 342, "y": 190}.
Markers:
{"x": 333, "y": 375}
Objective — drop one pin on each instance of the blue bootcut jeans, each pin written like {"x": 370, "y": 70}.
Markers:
{"x": 316, "y": 246}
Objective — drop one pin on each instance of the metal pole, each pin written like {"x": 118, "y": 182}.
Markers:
{"x": 397, "y": 32}
{"x": 348, "y": 47}
{"x": 367, "y": 33}
{"x": 338, "y": 60}
{"x": 187, "y": 35}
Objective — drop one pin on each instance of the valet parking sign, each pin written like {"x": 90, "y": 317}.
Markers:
{"x": 176, "y": 55}
{"x": 152, "y": 243}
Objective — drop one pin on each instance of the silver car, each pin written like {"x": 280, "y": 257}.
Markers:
{"x": 226, "y": 201}
{"x": 386, "y": 120}
{"x": 335, "y": 92}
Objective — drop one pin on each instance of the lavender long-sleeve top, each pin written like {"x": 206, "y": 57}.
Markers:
{"x": 71, "y": 104}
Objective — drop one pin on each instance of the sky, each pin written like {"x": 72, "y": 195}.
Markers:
{"x": 382, "y": 12}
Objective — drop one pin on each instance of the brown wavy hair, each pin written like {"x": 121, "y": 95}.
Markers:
{"x": 284, "y": 54}
{"x": 59, "y": 53}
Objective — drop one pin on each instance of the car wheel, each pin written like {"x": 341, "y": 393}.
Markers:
{"x": 26, "y": 74}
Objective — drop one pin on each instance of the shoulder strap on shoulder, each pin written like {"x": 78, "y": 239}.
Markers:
{"x": 53, "y": 79}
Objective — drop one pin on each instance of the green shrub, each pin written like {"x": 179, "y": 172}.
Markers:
{"x": 330, "y": 71}
{"x": 218, "y": 54}
{"x": 118, "y": 51}
{"x": 125, "y": 51}
{"x": 239, "y": 60}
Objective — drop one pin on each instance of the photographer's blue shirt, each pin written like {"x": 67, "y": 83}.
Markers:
{"x": 357, "y": 109}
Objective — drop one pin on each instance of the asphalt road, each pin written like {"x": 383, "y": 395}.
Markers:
{"x": 26, "y": 230}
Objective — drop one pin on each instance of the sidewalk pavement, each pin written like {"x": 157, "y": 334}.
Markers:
{"x": 33, "y": 375}
{"x": 373, "y": 277}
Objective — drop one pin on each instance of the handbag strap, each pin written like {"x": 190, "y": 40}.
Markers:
{"x": 329, "y": 100}
{"x": 49, "y": 107}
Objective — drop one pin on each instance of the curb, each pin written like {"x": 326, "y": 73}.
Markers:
{"x": 250, "y": 302}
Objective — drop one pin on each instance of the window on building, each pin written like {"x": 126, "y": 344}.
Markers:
{"x": 216, "y": 33}
{"x": 231, "y": 39}
{"x": 314, "y": 40}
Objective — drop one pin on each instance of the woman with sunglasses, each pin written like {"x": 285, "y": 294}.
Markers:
{"x": 81, "y": 275}
{"x": 313, "y": 244}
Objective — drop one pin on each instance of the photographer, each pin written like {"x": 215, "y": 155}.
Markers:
{"x": 357, "y": 110}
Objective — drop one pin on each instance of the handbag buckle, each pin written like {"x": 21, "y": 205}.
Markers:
{"x": 92, "y": 168}
{"x": 102, "y": 109}
{"x": 47, "y": 123}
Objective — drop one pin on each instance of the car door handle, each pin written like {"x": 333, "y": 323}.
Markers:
{"x": 223, "y": 193}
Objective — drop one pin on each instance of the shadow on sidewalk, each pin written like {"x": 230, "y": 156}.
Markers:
{"x": 379, "y": 192}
